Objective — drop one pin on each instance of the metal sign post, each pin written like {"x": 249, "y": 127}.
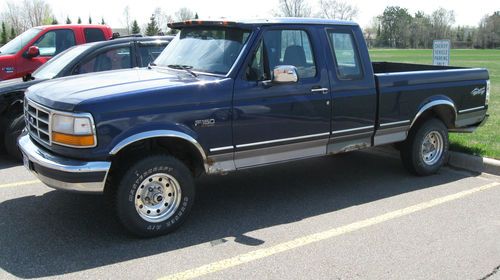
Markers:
{"x": 441, "y": 52}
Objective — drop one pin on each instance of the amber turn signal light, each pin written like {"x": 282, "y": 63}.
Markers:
{"x": 73, "y": 140}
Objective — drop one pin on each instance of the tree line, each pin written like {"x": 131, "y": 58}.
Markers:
{"x": 397, "y": 28}
{"x": 394, "y": 28}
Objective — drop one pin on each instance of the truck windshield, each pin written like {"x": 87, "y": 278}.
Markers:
{"x": 204, "y": 49}
{"x": 54, "y": 66}
{"x": 19, "y": 42}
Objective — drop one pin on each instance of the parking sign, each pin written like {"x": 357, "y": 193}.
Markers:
{"x": 441, "y": 52}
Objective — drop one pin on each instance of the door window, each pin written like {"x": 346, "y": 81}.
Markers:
{"x": 282, "y": 47}
{"x": 55, "y": 42}
{"x": 344, "y": 50}
{"x": 149, "y": 52}
{"x": 112, "y": 59}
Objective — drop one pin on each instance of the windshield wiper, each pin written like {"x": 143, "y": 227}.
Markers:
{"x": 187, "y": 68}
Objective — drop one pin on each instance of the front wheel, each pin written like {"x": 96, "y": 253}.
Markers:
{"x": 426, "y": 148}
{"x": 14, "y": 128}
{"x": 155, "y": 196}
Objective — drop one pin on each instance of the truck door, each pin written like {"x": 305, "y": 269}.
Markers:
{"x": 278, "y": 122}
{"x": 50, "y": 44}
{"x": 353, "y": 89}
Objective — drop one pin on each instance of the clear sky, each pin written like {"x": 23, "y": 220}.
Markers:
{"x": 466, "y": 12}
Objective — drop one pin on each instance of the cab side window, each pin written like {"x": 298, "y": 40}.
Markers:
{"x": 55, "y": 42}
{"x": 282, "y": 47}
{"x": 344, "y": 50}
{"x": 93, "y": 35}
{"x": 149, "y": 52}
{"x": 112, "y": 59}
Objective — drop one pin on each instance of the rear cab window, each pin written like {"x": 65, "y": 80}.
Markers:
{"x": 93, "y": 35}
{"x": 345, "y": 52}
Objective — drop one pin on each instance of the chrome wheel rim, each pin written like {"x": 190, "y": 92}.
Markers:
{"x": 432, "y": 148}
{"x": 157, "y": 197}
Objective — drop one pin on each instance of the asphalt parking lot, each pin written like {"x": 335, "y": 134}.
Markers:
{"x": 352, "y": 216}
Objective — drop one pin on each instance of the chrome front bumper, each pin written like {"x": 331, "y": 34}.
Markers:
{"x": 63, "y": 173}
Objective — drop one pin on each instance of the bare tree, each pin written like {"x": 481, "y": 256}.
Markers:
{"x": 126, "y": 18}
{"x": 293, "y": 8}
{"x": 37, "y": 12}
{"x": 442, "y": 20}
{"x": 162, "y": 18}
{"x": 337, "y": 9}
{"x": 27, "y": 14}
{"x": 184, "y": 14}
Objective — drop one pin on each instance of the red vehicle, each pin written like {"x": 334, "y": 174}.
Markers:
{"x": 25, "y": 53}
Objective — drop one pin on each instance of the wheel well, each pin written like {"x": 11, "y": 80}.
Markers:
{"x": 445, "y": 113}
{"x": 13, "y": 103}
{"x": 176, "y": 147}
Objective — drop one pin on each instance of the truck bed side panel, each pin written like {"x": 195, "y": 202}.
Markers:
{"x": 403, "y": 94}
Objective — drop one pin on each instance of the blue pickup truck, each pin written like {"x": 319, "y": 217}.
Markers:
{"x": 225, "y": 96}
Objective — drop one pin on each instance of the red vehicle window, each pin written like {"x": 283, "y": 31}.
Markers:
{"x": 55, "y": 41}
{"x": 93, "y": 35}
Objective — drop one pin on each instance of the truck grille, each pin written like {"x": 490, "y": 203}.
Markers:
{"x": 37, "y": 121}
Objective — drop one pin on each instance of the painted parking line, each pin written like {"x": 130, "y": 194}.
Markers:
{"x": 313, "y": 238}
{"x": 19, "y": 184}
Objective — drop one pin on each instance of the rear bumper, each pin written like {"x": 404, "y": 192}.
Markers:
{"x": 63, "y": 173}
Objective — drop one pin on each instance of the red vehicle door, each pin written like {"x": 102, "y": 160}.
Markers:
{"x": 49, "y": 44}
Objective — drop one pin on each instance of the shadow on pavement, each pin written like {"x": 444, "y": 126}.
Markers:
{"x": 59, "y": 233}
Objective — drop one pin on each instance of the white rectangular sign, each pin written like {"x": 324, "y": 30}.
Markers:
{"x": 441, "y": 52}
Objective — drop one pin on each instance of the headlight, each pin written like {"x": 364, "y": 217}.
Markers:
{"x": 73, "y": 130}
{"x": 488, "y": 89}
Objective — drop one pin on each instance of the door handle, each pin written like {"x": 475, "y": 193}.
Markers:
{"x": 320, "y": 90}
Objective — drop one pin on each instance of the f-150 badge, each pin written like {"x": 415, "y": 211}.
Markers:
{"x": 204, "y": 123}
{"x": 478, "y": 91}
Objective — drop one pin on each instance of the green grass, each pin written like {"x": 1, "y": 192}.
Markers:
{"x": 486, "y": 140}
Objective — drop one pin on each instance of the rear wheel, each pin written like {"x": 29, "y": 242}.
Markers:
{"x": 155, "y": 196}
{"x": 426, "y": 148}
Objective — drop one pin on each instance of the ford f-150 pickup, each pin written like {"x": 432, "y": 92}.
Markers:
{"x": 225, "y": 96}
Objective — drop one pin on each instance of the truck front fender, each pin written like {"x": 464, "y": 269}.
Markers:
{"x": 160, "y": 134}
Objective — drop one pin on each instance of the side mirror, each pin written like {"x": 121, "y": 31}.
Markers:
{"x": 33, "y": 51}
{"x": 28, "y": 77}
{"x": 283, "y": 74}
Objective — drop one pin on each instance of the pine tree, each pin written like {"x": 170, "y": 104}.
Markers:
{"x": 54, "y": 21}
{"x": 135, "y": 28}
{"x": 102, "y": 21}
{"x": 90, "y": 20}
{"x": 196, "y": 16}
{"x": 79, "y": 20}
{"x": 152, "y": 29}
{"x": 3, "y": 37}
{"x": 12, "y": 33}
{"x": 68, "y": 20}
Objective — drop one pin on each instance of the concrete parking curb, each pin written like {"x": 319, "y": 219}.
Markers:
{"x": 455, "y": 159}
{"x": 474, "y": 163}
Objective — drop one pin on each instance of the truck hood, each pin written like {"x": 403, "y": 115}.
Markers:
{"x": 65, "y": 93}
{"x": 15, "y": 85}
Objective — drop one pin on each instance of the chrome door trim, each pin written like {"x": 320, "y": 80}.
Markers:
{"x": 395, "y": 123}
{"x": 352, "y": 129}
{"x": 282, "y": 140}
{"x": 221, "y": 149}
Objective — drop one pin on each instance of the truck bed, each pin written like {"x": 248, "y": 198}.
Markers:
{"x": 387, "y": 67}
{"x": 402, "y": 86}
